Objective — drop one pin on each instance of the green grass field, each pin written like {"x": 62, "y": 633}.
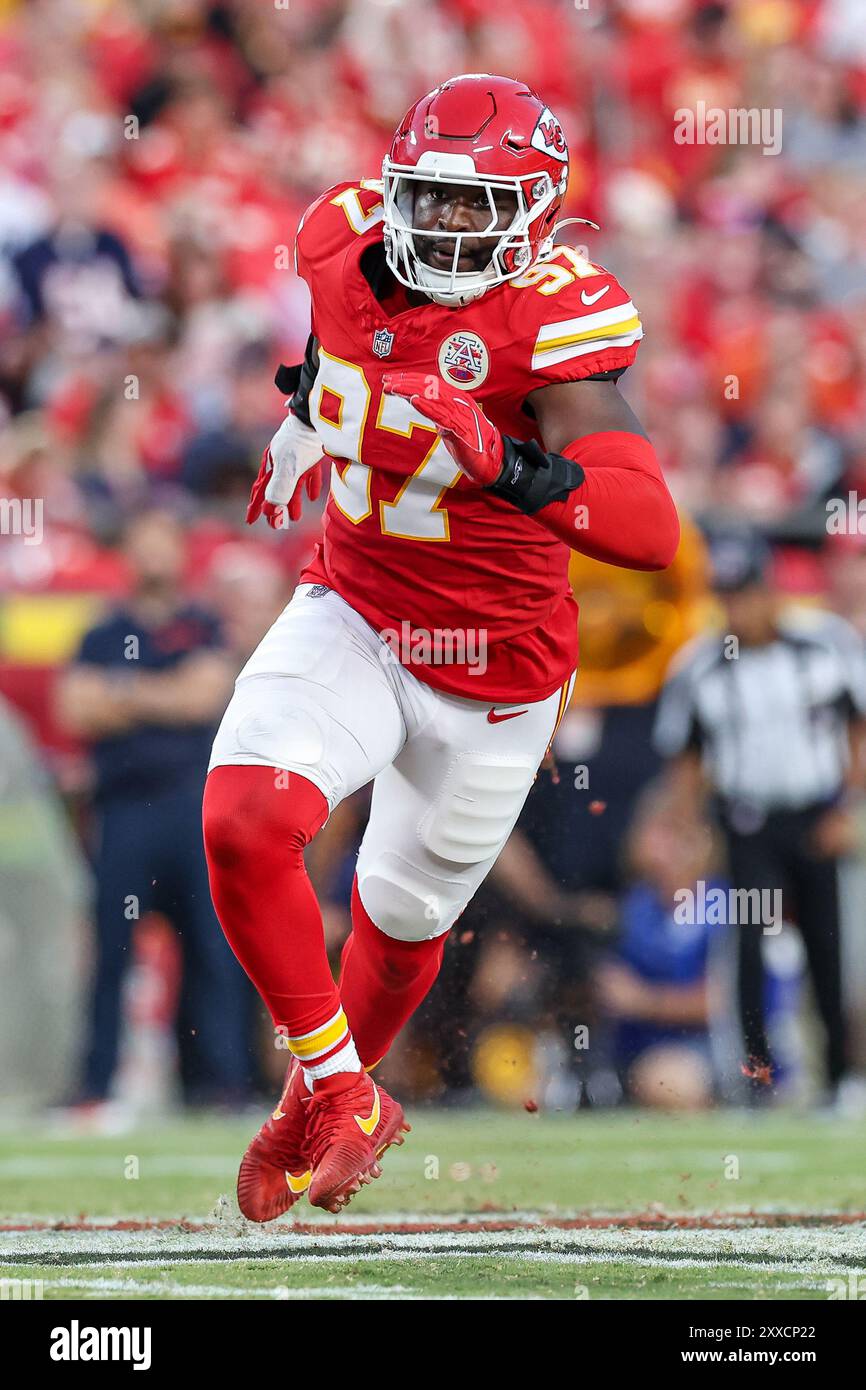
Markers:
{"x": 481, "y": 1204}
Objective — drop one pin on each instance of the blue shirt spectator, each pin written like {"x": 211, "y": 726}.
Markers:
{"x": 660, "y": 950}
{"x": 149, "y": 757}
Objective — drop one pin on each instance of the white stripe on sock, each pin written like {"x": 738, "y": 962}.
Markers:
{"x": 346, "y": 1059}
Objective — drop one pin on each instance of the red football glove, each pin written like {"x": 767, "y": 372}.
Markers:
{"x": 291, "y": 466}
{"x": 472, "y": 441}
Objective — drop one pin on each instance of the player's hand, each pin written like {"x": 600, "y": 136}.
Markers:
{"x": 291, "y": 465}
{"x": 472, "y": 441}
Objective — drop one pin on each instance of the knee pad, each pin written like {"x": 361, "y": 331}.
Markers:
{"x": 479, "y": 803}
{"x": 406, "y": 902}
{"x": 396, "y": 965}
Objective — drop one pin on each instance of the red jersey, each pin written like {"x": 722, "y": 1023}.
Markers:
{"x": 409, "y": 541}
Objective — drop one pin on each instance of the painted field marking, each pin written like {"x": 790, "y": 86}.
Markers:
{"x": 800, "y": 1250}
{"x": 280, "y": 1292}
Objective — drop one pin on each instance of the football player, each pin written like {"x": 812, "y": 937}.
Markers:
{"x": 460, "y": 380}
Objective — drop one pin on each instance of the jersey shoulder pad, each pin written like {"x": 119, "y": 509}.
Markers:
{"x": 334, "y": 220}
{"x": 574, "y": 318}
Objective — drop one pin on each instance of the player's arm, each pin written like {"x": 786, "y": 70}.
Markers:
{"x": 291, "y": 463}
{"x": 573, "y": 409}
{"x": 599, "y": 488}
{"x": 619, "y": 509}
{"x": 297, "y": 382}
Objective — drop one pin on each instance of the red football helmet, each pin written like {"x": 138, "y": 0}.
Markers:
{"x": 491, "y": 133}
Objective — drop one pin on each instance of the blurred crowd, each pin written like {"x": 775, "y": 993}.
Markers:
{"x": 155, "y": 158}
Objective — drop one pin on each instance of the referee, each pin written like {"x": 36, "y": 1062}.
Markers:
{"x": 766, "y": 714}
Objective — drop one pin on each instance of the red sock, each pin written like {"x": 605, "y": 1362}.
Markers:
{"x": 383, "y": 981}
{"x": 255, "y": 831}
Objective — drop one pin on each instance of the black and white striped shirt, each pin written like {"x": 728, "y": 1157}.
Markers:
{"x": 770, "y": 722}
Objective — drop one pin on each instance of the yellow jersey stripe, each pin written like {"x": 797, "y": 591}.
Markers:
{"x": 610, "y": 330}
{"x": 563, "y": 701}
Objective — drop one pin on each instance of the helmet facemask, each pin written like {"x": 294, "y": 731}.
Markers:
{"x": 513, "y": 248}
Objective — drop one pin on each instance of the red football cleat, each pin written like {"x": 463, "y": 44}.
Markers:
{"x": 350, "y": 1123}
{"x": 275, "y": 1171}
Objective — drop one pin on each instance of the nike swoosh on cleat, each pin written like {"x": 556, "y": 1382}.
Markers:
{"x": 278, "y": 1114}
{"x": 368, "y": 1126}
{"x": 591, "y": 298}
{"x": 494, "y": 718}
{"x": 299, "y": 1183}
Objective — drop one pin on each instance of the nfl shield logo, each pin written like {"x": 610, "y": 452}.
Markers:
{"x": 383, "y": 341}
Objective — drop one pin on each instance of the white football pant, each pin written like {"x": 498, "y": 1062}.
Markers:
{"x": 325, "y": 697}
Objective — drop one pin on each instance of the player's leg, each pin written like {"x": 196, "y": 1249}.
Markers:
{"x": 383, "y": 980}
{"x": 440, "y": 816}
{"x": 314, "y": 716}
{"x": 256, "y": 826}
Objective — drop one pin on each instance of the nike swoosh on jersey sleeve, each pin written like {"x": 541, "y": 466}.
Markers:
{"x": 571, "y": 318}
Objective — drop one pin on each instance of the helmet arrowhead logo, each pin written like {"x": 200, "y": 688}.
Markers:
{"x": 549, "y": 136}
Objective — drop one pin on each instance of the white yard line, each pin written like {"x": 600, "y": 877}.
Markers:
{"x": 813, "y": 1276}
{"x": 797, "y": 1250}
{"x": 166, "y": 1288}
{"x": 282, "y": 1293}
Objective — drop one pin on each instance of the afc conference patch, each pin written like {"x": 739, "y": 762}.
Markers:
{"x": 464, "y": 360}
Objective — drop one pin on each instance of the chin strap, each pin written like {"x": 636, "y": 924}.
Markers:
{"x": 550, "y": 248}
{"x": 574, "y": 222}
{"x": 530, "y": 478}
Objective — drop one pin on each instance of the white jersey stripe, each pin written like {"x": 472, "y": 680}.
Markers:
{"x": 550, "y": 357}
{"x": 586, "y": 323}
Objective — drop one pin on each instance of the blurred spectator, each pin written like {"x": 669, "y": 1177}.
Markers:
{"x": 147, "y": 687}
{"x": 77, "y": 280}
{"x": 656, "y": 986}
{"x": 764, "y": 713}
